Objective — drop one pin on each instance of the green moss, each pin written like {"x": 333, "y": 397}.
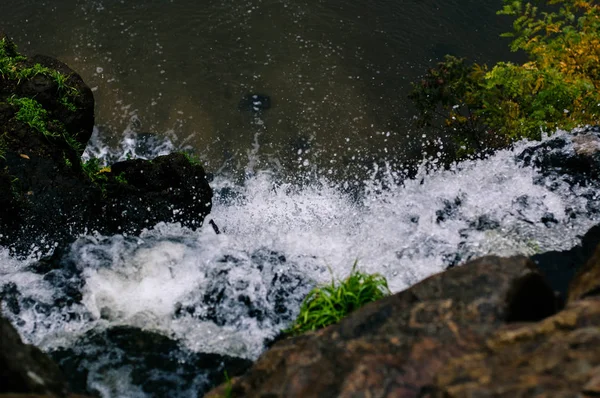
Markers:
{"x": 32, "y": 113}
{"x": 328, "y": 304}
{"x": 121, "y": 178}
{"x": 192, "y": 159}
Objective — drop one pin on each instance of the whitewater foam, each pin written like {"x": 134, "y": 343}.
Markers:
{"x": 230, "y": 293}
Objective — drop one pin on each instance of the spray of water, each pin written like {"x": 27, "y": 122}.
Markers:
{"x": 230, "y": 293}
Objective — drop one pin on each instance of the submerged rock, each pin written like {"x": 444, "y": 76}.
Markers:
{"x": 255, "y": 103}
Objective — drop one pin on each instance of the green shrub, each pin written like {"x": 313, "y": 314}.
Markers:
{"x": 559, "y": 87}
{"x": 328, "y": 304}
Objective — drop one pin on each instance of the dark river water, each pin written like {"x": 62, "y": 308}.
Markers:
{"x": 337, "y": 72}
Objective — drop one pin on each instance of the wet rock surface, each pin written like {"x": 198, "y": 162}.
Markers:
{"x": 576, "y": 155}
{"x": 25, "y": 368}
{"x": 48, "y": 196}
{"x": 153, "y": 363}
{"x": 491, "y": 327}
{"x": 395, "y": 347}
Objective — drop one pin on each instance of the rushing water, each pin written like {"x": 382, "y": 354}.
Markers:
{"x": 230, "y": 293}
{"x": 302, "y": 189}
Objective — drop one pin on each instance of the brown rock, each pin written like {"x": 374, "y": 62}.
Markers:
{"x": 394, "y": 347}
{"x": 557, "y": 357}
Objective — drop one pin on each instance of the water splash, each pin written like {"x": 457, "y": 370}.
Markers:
{"x": 230, "y": 293}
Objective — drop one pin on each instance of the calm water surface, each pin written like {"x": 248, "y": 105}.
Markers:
{"x": 337, "y": 71}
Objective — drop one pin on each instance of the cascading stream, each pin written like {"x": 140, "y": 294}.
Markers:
{"x": 230, "y": 293}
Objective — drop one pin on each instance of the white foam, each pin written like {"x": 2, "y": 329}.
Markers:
{"x": 165, "y": 279}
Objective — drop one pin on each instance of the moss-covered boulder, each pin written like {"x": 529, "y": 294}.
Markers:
{"x": 47, "y": 195}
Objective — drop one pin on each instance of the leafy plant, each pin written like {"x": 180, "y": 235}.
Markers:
{"x": 328, "y": 304}
{"x": 95, "y": 171}
{"x": 559, "y": 87}
{"x": 3, "y": 146}
{"x": 66, "y": 102}
{"x": 120, "y": 178}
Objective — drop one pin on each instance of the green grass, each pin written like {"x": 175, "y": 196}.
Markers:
{"x": 3, "y": 146}
{"x": 95, "y": 171}
{"x": 192, "y": 159}
{"x": 32, "y": 113}
{"x": 228, "y": 386}
{"x": 121, "y": 178}
{"x": 328, "y": 304}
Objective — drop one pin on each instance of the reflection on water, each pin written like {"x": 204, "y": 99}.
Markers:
{"x": 337, "y": 71}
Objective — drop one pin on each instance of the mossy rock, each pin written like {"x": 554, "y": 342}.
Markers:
{"x": 48, "y": 196}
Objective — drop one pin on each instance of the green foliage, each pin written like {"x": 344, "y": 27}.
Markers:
{"x": 32, "y": 113}
{"x": 3, "y": 146}
{"x": 559, "y": 86}
{"x": 95, "y": 171}
{"x": 328, "y": 304}
{"x": 121, "y": 178}
{"x": 66, "y": 102}
{"x": 67, "y": 161}
{"x": 9, "y": 57}
{"x": 228, "y": 386}
{"x": 192, "y": 159}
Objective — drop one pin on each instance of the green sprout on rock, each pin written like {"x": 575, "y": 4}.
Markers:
{"x": 328, "y": 304}
{"x": 32, "y": 113}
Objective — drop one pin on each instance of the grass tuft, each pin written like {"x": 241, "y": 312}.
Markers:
{"x": 32, "y": 113}
{"x": 328, "y": 304}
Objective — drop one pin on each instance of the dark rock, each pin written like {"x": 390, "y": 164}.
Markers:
{"x": 576, "y": 155}
{"x": 46, "y": 195}
{"x": 26, "y": 369}
{"x": 159, "y": 366}
{"x": 560, "y": 267}
{"x": 227, "y": 302}
{"x": 586, "y": 282}
{"x": 394, "y": 347}
{"x": 169, "y": 188}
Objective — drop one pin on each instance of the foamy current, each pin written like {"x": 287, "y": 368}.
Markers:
{"x": 230, "y": 293}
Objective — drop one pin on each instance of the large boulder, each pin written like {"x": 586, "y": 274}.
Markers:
{"x": 47, "y": 195}
{"x": 489, "y": 328}
{"x": 395, "y": 347}
{"x": 557, "y": 357}
{"x": 586, "y": 282}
